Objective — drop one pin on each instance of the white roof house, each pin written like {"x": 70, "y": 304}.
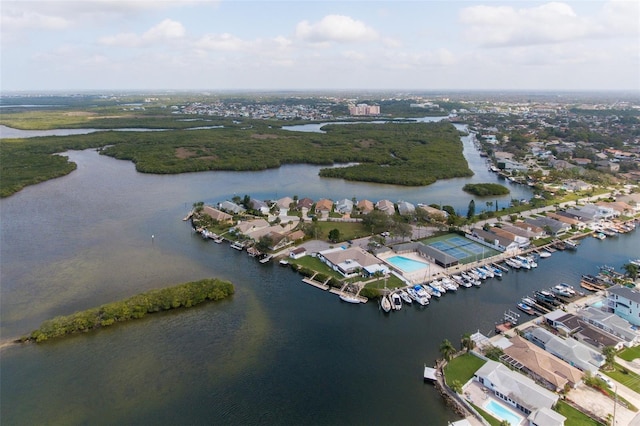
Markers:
{"x": 514, "y": 388}
{"x": 569, "y": 350}
{"x": 344, "y": 206}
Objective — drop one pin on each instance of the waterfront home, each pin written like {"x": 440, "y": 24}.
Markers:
{"x": 494, "y": 241}
{"x": 249, "y": 226}
{"x": 232, "y": 207}
{"x": 386, "y": 206}
{"x": 633, "y": 200}
{"x": 433, "y": 212}
{"x": 569, "y": 350}
{"x": 259, "y": 205}
{"x": 365, "y": 206}
{"x": 298, "y": 252}
{"x": 568, "y": 219}
{"x": 621, "y": 207}
{"x": 522, "y": 241}
{"x": 405, "y": 208}
{"x": 217, "y": 215}
{"x": 532, "y": 231}
{"x": 344, "y": 206}
{"x": 517, "y": 390}
{"x": 552, "y": 226}
{"x": 297, "y": 235}
{"x": 624, "y": 302}
{"x": 349, "y": 261}
{"x": 563, "y": 322}
{"x": 324, "y": 206}
{"x": 591, "y": 213}
{"x": 576, "y": 185}
{"x": 304, "y": 203}
{"x": 284, "y": 204}
{"x": 612, "y": 324}
{"x": 541, "y": 365}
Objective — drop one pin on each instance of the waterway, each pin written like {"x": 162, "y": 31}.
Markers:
{"x": 278, "y": 352}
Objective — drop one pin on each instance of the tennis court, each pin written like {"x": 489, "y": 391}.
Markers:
{"x": 461, "y": 248}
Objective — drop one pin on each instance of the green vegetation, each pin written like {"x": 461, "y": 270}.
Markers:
{"x": 394, "y": 153}
{"x": 574, "y": 417}
{"x": 485, "y": 189}
{"x": 462, "y": 368}
{"x": 183, "y": 295}
{"x": 629, "y": 354}
{"x": 625, "y": 376}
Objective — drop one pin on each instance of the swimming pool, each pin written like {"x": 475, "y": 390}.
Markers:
{"x": 406, "y": 264}
{"x": 501, "y": 412}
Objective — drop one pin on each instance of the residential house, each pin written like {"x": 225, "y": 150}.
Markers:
{"x": 344, "y": 206}
{"x": 533, "y": 231}
{"x": 515, "y": 389}
{"x": 298, "y": 252}
{"x": 324, "y": 206}
{"x": 612, "y": 324}
{"x": 431, "y": 211}
{"x": 633, "y": 200}
{"x": 522, "y": 241}
{"x": 624, "y": 302}
{"x": 386, "y": 206}
{"x": 259, "y": 205}
{"x": 284, "y": 204}
{"x": 296, "y": 235}
{"x": 229, "y": 206}
{"x": 570, "y": 350}
{"x": 541, "y": 365}
{"x": 493, "y": 240}
{"x": 249, "y": 226}
{"x": 348, "y": 262}
{"x": 405, "y": 208}
{"x": 217, "y": 215}
{"x": 365, "y": 206}
{"x": 551, "y": 226}
{"x": 568, "y": 219}
{"x": 576, "y": 185}
{"x": 622, "y": 208}
{"x": 305, "y": 203}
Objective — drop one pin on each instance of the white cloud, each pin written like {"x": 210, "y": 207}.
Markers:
{"x": 338, "y": 28}
{"x": 222, "y": 42}
{"x": 165, "y": 30}
{"x": 15, "y": 19}
{"x": 507, "y": 26}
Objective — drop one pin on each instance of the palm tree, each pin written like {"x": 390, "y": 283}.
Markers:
{"x": 609, "y": 353}
{"x": 447, "y": 350}
{"x": 466, "y": 343}
{"x": 631, "y": 270}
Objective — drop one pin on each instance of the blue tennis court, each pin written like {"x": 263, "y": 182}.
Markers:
{"x": 458, "y": 254}
{"x": 462, "y": 248}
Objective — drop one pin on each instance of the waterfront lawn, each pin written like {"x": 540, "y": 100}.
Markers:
{"x": 315, "y": 264}
{"x": 630, "y": 354}
{"x": 574, "y": 417}
{"x": 392, "y": 282}
{"x": 462, "y": 368}
{"x": 488, "y": 417}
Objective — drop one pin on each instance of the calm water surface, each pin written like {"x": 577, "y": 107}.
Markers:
{"x": 278, "y": 352}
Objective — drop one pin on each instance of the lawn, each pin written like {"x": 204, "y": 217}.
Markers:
{"x": 630, "y": 354}
{"x": 392, "y": 282}
{"x": 348, "y": 230}
{"x": 315, "y": 264}
{"x": 574, "y": 417}
{"x": 488, "y": 417}
{"x": 625, "y": 377}
{"x": 462, "y": 368}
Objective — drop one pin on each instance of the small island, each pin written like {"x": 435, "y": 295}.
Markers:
{"x": 182, "y": 295}
{"x": 485, "y": 189}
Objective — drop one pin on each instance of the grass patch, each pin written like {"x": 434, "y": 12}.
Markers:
{"x": 626, "y": 377}
{"x": 348, "y": 230}
{"x": 462, "y": 368}
{"x": 315, "y": 264}
{"x": 392, "y": 282}
{"x": 574, "y": 417}
{"x": 630, "y": 354}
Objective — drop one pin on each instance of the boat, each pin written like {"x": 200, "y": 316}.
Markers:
{"x": 488, "y": 271}
{"x": 570, "y": 244}
{"x": 423, "y": 301}
{"x": 218, "y": 239}
{"x": 385, "y": 303}
{"x": 448, "y": 284}
{"x": 594, "y": 283}
{"x": 532, "y": 261}
{"x": 284, "y": 262}
{"x": 421, "y": 291}
{"x": 599, "y": 235}
{"x": 412, "y": 294}
{"x": 396, "y": 301}
{"x": 544, "y": 254}
{"x": 497, "y": 272}
{"x": 560, "y": 291}
{"x": 480, "y": 273}
{"x": 545, "y": 296}
{"x": 526, "y": 308}
{"x": 568, "y": 287}
{"x": 528, "y": 301}
{"x": 237, "y": 245}
{"x": 635, "y": 261}
{"x": 513, "y": 263}
{"x": 524, "y": 262}
{"x": 349, "y": 298}
{"x": 405, "y": 297}
{"x": 436, "y": 287}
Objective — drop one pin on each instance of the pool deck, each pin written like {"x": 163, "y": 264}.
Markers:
{"x": 478, "y": 395}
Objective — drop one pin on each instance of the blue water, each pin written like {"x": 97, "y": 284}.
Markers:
{"x": 503, "y": 413}
{"x": 406, "y": 264}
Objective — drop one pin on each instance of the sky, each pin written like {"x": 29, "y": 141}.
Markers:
{"x": 51, "y": 45}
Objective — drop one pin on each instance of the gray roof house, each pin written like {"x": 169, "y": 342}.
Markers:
{"x": 612, "y": 324}
{"x": 231, "y": 207}
{"x": 406, "y": 208}
{"x": 569, "y": 350}
{"x": 556, "y": 227}
{"x": 625, "y": 302}
{"x": 344, "y": 206}
{"x": 515, "y": 389}
{"x": 386, "y": 206}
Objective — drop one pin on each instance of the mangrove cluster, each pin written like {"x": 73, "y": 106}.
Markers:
{"x": 485, "y": 189}
{"x": 183, "y": 295}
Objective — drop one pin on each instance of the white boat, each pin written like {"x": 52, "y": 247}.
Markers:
{"x": 487, "y": 270}
{"x": 635, "y": 261}
{"x": 560, "y": 291}
{"x": 513, "y": 263}
{"x": 405, "y": 297}
{"x": 568, "y": 287}
{"x": 526, "y": 308}
{"x": 544, "y": 254}
{"x": 421, "y": 291}
{"x": 385, "y": 303}
{"x": 284, "y": 262}
{"x": 523, "y": 261}
{"x": 479, "y": 274}
{"x": 449, "y": 284}
{"x": 349, "y": 298}
{"x": 237, "y": 245}
{"x": 497, "y": 272}
{"x": 396, "y": 301}
{"x": 423, "y": 301}
{"x": 412, "y": 294}
{"x": 600, "y": 236}
{"x": 528, "y": 301}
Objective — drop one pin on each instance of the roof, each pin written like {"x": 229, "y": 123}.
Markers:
{"x": 440, "y": 257}
{"x": 516, "y": 386}
{"x": 546, "y": 417}
{"x": 542, "y": 363}
{"x": 625, "y": 292}
{"x": 324, "y": 205}
{"x": 365, "y": 206}
{"x": 578, "y": 354}
{"x": 305, "y": 203}
{"x": 339, "y": 256}
{"x": 386, "y": 206}
{"x": 611, "y": 322}
{"x": 284, "y": 202}
{"x": 216, "y": 214}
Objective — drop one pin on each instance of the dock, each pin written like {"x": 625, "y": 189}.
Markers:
{"x": 430, "y": 374}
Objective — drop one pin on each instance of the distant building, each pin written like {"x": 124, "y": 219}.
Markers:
{"x": 364, "y": 109}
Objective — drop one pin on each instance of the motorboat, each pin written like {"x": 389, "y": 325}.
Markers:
{"x": 560, "y": 291}
{"x": 436, "y": 286}
{"x": 528, "y": 301}
{"x": 570, "y": 244}
{"x": 545, "y": 296}
{"x": 480, "y": 273}
{"x": 513, "y": 263}
{"x": 524, "y": 262}
{"x": 448, "y": 284}
{"x": 349, "y": 298}
{"x": 433, "y": 291}
{"x": 412, "y": 294}
{"x": 488, "y": 271}
{"x": 405, "y": 297}
{"x": 497, "y": 272}
{"x": 421, "y": 291}
{"x": 568, "y": 287}
{"x": 526, "y": 308}
{"x": 396, "y": 301}
{"x": 544, "y": 254}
